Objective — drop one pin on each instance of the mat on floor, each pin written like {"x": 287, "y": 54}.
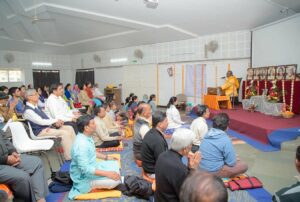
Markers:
{"x": 129, "y": 167}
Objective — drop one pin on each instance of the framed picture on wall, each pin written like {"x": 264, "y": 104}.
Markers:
{"x": 249, "y": 74}
{"x": 280, "y": 72}
{"x": 256, "y": 72}
{"x": 271, "y": 73}
{"x": 263, "y": 73}
{"x": 291, "y": 71}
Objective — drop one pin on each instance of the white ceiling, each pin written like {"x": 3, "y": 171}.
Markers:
{"x": 95, "y": 25}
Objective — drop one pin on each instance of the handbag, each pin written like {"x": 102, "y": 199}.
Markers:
{"x": 245, "y": 183}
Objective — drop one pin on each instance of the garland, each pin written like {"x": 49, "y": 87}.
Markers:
{"x": 245, "y": 93}
{"x": 257, "y": 87}
{"x": 292, "y": 95}
{"x": 265, "y": 84}
{"x": 283, "y": 91}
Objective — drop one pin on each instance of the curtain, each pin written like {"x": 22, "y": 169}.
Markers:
{"x": 42, "y": 77}
{"x": 85, "y": 75}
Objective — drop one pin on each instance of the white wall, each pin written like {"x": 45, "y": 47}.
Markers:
{"x": 106, "y": 76}
{"x": 139, "y": 75}
{"x": 23, "y": 61}
{"x": 277, "y": 43}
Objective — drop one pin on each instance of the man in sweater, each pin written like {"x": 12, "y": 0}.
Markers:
{"x": 141, "y": 127}
{"x": 154, "y": 143}
{"x": 42, "y": 125}
{"x": 101, "y": 136}
{"x": 24, "y": 174}
{"x": 170, "y": 172}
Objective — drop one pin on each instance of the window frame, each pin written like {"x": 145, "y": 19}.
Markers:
{"x": 8, "y": 78}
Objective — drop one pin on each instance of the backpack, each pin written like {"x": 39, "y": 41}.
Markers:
{"x": 137, "y": 186}
{"x": 62, "y": 182}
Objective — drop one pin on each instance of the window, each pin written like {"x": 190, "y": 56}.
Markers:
{"x": 10, "y": 75}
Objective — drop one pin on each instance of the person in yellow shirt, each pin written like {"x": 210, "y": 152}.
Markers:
{"x": 231, "y": 85}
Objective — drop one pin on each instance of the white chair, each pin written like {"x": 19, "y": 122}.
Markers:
{"x": 24, "y": 144}
{"x": 56, "y": 140}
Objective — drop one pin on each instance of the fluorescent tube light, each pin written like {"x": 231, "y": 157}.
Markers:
{"x": 46, "y": 64}
{"x": 115, "y": 60}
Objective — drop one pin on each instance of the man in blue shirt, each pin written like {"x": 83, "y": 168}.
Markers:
{"x": 218, "y": 155}
{"x": 86, "y": 171}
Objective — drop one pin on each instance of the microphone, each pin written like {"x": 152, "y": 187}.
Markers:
{"x": 223, "y": 77}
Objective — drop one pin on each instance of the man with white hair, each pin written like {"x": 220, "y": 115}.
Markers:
{"x": 170, "y": 172}
{"x": 42, "y": 125}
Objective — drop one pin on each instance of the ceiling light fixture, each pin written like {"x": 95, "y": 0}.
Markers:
{"x": 45, "y": 64}
{"x": 116, "y": 60}
{"x": 151, "y": 3}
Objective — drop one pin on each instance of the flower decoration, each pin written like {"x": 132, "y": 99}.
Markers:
{"x": 274, "y": 95}
{"x": 251, "y": 90}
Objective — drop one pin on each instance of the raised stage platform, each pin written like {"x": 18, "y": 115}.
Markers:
{"x": 265, "y": 129}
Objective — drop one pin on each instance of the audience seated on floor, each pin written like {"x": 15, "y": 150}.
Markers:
{"x": 83, "y": 97}
{"x": 111, "y": 125}
{"x": 218, "y": 155}
{"x": 203, "y": 187}
{"x": 86, "y": 172}
{"x": 154, "y": 143}
{"x": 4, "y": 89}
{"x": 291, "y": 193}
{"x": 42, "y": 125}
{"x": 42, "y": 100}
{"x": 24, "y": 174}
{"x": 112, "y": 110}
{"x": 15, "y": 100}
{"x": 101, "y": 136}
{"x": 6, "y": 112}
{"x": 199, "y": 126}
{"x": 57, "y": 108}
{"x": 173, "y": 114}
{"x": 170, "y": 172}
{"x": 89, "y": 90}
{"x": 22, "y": 93}
{"x": 97, "y": 92}
{"x": 141, "y": 127}
{"x": 152, "y": 103}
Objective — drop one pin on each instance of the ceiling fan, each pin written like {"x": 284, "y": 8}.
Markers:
{"x": 35, "y": 19}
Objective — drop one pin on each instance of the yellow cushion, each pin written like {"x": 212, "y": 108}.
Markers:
{"x": 99, "y": 194}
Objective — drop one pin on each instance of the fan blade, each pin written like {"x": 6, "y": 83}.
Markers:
{"x": 43, "y": 20}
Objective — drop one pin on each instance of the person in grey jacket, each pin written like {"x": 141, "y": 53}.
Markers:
{"x": 24, "y": 174}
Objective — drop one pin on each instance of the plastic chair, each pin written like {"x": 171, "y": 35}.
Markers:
{"x": 24, "y": 144}
{"x": 57, "y": 141}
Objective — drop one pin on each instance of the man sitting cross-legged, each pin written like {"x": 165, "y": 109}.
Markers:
{"x": 86, "y": 172}
{"x": 154, "y": 143}
{"x": 42, "y": 125}
{"x": 101, "y": 136}
{"x": 218, "y": 155}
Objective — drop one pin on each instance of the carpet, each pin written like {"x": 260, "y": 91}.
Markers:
{"x": 130, "y": 168}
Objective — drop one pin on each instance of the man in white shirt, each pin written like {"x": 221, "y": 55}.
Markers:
{"x": 199, "y": 126}
{"x": 42, "y": 125}
{"x": 57, "y": 108}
